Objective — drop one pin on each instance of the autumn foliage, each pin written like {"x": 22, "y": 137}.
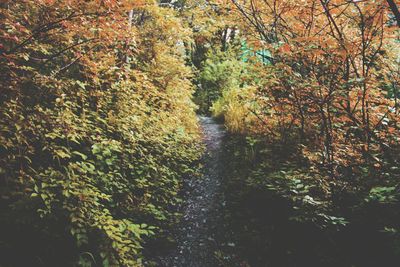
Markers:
{"x": 331, "y": 83}
{"x": 325, "y": 98}
{"x": 97, "y": 129}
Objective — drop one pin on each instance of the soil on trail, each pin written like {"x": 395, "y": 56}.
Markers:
{"x": 196, "y": 241}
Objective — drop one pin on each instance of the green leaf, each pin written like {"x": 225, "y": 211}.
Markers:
{"x": 83, "y": 156}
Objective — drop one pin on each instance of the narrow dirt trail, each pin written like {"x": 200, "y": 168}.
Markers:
{"x": 202, "y": 200}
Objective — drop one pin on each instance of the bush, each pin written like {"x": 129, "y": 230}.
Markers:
{"x": 97, "y": 132}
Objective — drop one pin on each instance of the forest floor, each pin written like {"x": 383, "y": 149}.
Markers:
{"x": 196, "y": 234}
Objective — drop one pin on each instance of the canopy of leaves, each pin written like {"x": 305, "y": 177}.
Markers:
{"x": 328, "y": 96}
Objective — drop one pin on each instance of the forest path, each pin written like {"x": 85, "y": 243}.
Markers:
{"x": 196, "y": 241}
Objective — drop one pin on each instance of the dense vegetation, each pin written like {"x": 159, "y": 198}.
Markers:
{"x": 98, "y": 127}
{"x": 317, "y": 127}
